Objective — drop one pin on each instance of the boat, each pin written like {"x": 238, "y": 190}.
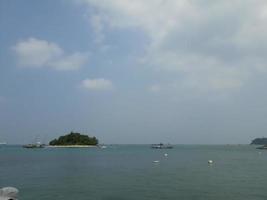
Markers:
{"x": 263, "y": 147}
{"x": 34, "y": 146}
{"x": 161, "y": 146}
{"x": 3, "y": 144}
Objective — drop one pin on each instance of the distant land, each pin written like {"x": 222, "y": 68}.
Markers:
{"x": 259, "y": 141}
{"x": 74, "y": 139}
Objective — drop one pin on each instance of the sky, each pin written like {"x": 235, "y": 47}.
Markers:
{"x": 134, "y": 71}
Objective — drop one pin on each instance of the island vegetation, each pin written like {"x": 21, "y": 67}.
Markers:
{"x": 74, "y": 139}
{"x": 259, "y": 141}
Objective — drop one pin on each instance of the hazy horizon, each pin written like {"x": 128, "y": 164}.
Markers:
{"x": 132, "y": 72}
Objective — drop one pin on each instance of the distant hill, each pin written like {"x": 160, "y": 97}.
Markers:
{"x": 74, "y": 139}
{"x": 259, "y": 141}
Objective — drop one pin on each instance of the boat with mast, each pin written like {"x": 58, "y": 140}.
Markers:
{"x": 161, "y": 146}
{"x": 34, "y": 145}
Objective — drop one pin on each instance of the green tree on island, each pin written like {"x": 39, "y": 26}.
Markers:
{"x": 74, "y": 139}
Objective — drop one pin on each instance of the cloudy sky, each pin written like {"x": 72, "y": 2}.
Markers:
{"x": 134, "y": 71}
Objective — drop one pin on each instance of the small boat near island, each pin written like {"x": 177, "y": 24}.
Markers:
{"x": 263, "y": 147}
{"x": 37, "y": 145}
{"x": 161, "y": 146}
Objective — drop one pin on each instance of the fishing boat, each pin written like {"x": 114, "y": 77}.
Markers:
{"x": 34, "y": 146}
{"x": 161, "y": 146}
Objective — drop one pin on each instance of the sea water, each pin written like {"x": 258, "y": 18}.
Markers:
{"x": 128, "y": 172}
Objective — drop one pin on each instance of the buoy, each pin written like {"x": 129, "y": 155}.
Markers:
{"x": 9, "y": 193}
{"x": 156, "y": 161}
{"x": 165, "y": 154}
{"x": 210, "y": 161}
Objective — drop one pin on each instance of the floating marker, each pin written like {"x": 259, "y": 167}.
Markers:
{"x": 156, "y": 161}
{"x": 210, "y": 162}
{"x": 165, "y": 154}
{"x": 9, "y": 193}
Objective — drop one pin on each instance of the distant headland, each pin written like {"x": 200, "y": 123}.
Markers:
{"x": 259, "y": 141}
{"x": 74, "y": 140}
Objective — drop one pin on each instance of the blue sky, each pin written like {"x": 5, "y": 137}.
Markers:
{"x": 141, "y": 71}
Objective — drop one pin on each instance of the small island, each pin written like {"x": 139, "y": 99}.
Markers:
{"x": 74, "y": 140}
{"x": 259, "y": 141}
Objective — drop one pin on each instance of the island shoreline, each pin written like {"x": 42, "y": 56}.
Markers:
{"x": 71, "y": 146}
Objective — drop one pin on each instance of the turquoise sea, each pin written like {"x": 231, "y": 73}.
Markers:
{"x": 127, "y": 172}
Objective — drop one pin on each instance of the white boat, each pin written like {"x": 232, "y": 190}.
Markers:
{"x": 34, "y": 146}
{"x": 161, "y": 146}
{"x": 263, "y": 147}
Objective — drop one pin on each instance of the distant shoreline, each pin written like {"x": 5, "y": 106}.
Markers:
{"x": 72, "y": 146}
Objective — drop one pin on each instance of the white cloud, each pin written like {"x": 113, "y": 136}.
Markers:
{"x": 71, "y": 62}
{"x": 97, "y": 84}
{"x": 36, "y": 53}
{"x": 155, "y": 88}
{"x": 214, "y": 44}
{"x": 97, "y": 24}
